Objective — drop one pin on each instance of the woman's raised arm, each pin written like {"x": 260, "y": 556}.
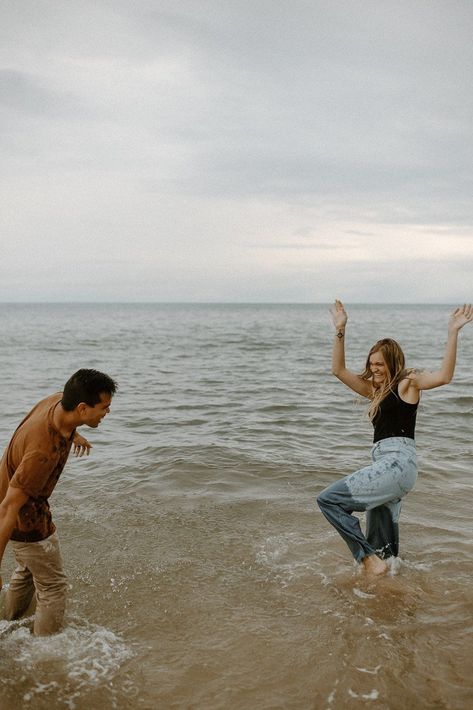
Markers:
{"x": 349, "y": 378}
{"x": 428, "y": 380}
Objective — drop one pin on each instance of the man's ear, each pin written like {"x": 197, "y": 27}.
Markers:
{"x": 81, "y": 409}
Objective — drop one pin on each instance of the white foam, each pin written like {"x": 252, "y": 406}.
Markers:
{"x": 394, "y": 565}
{"x": 373, "y": 695}
{"x": 331, "y": 697}
{"x": 15, "y": 630}
{"x": 420, "y": 566}
{"x": 90, "y": 655}
{"x": 371, "y": 671}
{"x": 82, "y": 656}
{"x": 362, "y": 595}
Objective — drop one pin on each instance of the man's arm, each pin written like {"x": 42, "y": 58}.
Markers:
{"x": 9, "y": 509}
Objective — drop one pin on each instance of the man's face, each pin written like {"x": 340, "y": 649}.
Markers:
{"x": 92, "y": 416}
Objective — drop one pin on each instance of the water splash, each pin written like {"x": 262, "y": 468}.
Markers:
{"x": 81, "y": 658}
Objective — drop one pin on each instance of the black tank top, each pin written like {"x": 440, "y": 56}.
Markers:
{"x": 394, "y": 418}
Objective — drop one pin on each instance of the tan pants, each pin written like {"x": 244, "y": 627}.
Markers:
{"x": 39, "y": 569}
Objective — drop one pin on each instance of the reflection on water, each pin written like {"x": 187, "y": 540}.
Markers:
{"x": 202, "y": 575}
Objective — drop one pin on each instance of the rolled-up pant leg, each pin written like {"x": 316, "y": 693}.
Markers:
{"x": 41, "y": 562}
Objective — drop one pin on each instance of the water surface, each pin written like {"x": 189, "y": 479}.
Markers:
{"x": 201, "y": 573}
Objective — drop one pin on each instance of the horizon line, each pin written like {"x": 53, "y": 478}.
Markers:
{"x": 225, "y": 303}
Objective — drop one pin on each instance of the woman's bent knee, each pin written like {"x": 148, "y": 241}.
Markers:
{"x": 329, "y": 496}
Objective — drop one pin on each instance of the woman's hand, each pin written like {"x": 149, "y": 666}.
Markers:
{"x": 81, "y": 445}
{"x": 339, "y": 315}
{"x": 460, "y": 317}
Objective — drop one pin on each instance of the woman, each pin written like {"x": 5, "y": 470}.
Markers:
{"x": 394, "y": 394}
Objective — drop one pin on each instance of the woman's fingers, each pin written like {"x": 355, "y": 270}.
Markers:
{"x": 463, "y": 314}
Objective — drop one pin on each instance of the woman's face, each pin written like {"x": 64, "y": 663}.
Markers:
{"x": 378, "y": 368}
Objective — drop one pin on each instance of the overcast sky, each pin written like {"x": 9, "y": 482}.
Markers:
{"x": 236, "y": 150}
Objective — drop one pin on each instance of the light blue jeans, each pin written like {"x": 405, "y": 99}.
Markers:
{"x": 377, "y": 489}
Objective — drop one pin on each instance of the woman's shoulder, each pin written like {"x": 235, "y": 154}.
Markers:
{"x": 408, "y": 377}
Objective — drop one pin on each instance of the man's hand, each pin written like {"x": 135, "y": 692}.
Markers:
{"x": 81, "y": 445}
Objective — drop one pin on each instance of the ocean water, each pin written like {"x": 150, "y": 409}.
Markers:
{"x": 202, "y": 574}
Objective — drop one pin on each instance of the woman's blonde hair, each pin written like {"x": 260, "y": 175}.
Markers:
{"x": 396, "y": 371}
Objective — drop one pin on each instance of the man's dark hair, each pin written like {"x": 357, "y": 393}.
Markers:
{"x": 86, "y": 386}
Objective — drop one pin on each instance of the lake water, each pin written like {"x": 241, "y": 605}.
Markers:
{"x": 202, "y": 574}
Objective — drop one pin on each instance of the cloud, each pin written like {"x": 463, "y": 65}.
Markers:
{"x": 238, "y": 132}
{"x": 24, "y": 93}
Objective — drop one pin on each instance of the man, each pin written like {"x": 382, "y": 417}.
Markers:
{"x": 29, "y": 471}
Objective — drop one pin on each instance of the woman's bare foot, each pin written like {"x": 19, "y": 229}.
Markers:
{"x": 374, "y": 565}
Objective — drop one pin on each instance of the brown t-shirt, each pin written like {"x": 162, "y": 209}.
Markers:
{"x": 33, "y": 462}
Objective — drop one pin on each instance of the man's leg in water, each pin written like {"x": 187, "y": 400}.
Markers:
{"x": 43, "y": 560}
{"x": 19, "y": 593}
